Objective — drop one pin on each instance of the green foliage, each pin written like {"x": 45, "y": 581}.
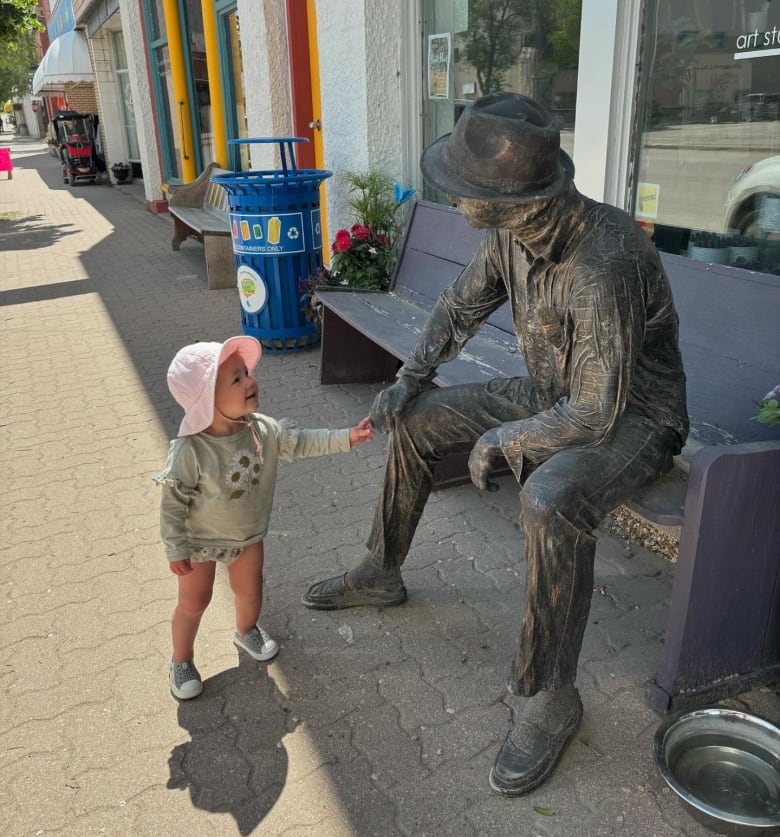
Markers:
{"x": 700, "y": 238}
{"x": 769, "y": 412}
{"x": 18, "y": 23}
{"x": 372, "y": 200}
{"x": 499, "y": 28}
{"x": 17, "y": 59}
{"x": 492, "y": 40}
{"x": 17, "y": 18}
{"x": 364, "y": 255}
{"x": 564, "y": 37}
{"x": 769, "y": 408}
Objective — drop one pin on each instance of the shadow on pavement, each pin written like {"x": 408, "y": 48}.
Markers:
{"x": 30, "y": 233}
{"x": 235, "y": 762}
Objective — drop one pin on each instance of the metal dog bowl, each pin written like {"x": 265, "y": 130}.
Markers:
{"x": 725, "y": 767}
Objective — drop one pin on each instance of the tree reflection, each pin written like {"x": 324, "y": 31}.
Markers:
{"x": 545, "y": 33}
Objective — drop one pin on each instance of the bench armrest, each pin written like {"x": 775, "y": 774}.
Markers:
{"x": 192, "y": 194}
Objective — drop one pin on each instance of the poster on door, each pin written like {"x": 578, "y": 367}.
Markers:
{"x": 439, "y": 51}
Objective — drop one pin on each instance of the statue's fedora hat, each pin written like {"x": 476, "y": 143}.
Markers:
{"x": 505, "y": 147}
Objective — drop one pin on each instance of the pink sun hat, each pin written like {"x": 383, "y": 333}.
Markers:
{"x": 192, "y": 377}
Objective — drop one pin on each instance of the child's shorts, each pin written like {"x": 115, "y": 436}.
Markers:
{"x": 226, "y": 555}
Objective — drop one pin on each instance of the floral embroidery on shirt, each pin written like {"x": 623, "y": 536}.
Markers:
{"x": 242, "y": 473}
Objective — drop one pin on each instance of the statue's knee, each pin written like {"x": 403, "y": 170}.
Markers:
{"x": 537, "y": 504}
{"x": 414, "y": 424}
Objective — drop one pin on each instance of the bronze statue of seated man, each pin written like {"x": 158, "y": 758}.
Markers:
{"x": 600, "y": 414}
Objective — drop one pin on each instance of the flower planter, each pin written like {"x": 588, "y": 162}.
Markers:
{"x": 769, "y": 214}
{"x": 121, "y": 172}
{"x": 717, "y": 255}
{"x": 748, "y": 254}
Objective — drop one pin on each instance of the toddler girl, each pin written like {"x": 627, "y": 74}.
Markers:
{"x": 217, "y": 492}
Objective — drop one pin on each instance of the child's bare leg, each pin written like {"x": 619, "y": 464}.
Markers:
{"x": 246, "y": 582}
{"x": 194, "y": 596}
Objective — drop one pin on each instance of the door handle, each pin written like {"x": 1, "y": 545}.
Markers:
{"x": 316, "y": 125}
{"x": 183, "y": 136}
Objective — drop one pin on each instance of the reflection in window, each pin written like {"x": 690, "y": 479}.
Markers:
{"x": 173, "y": 158}
{"x": 200, "y": 77}
{"x": 126, "y": 96}
{"x": 709, "y": 145}
{"x": 237, "y": 125}
{"x": 156, "y": 19}
{"x": 474, "y": 47}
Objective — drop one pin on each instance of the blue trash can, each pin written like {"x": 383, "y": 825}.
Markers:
{"x": 277, "y": 241}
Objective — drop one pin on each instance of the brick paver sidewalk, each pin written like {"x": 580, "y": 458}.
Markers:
{"x": 369, "y": 722}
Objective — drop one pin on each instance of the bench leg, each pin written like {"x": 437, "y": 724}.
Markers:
{"x": 220, "y": 262}
{"x": 181, "y": 232}
{"x": 349, "y": 357}
{"x": 723, "y": 629}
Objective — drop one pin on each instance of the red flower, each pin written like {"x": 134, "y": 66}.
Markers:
{"x": 342, "y": 242}
{"x": 360, "y": 232}
{"x": 383, "y": 239}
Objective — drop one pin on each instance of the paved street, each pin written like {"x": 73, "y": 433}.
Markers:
{"x": 369, "y": 722}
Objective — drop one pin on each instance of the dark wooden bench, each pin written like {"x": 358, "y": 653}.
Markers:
{"x": 200, "y": 209}
{"x": 723, "y": 631}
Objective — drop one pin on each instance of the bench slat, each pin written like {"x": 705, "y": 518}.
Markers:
{"x": 730, "y": 343}
{"x": 216, "y": 197}
{"x": 202, "y": 220}
{"x": 394, "y": 324}
{"x": 443, "y": 232}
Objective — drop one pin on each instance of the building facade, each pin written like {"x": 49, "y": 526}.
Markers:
{"x": 669, "y": 108}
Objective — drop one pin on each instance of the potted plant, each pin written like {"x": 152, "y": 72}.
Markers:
{"x": 743, "y": 250}
{"x": 121, "y": 172}
{"x": 364, "y": 255}
{"x": 708, "y": 247}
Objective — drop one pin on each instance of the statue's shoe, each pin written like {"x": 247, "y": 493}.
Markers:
{"x": 338, "y": 592}
{"x": 532, "y": 748}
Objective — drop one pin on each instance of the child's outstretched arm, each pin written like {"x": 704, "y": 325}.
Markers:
{"x": 361, "y": 433}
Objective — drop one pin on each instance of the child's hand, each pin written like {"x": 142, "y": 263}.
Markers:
{"x": 361, "y": 433}
{"x": 181, "y": 567}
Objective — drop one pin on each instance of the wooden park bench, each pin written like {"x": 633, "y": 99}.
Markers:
{"x": 200, "y": 209}
{"x": 723, "y": 630}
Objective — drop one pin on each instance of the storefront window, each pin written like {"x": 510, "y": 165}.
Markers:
{"x": 126, "y": 97}
{"x": 474, "y": 47}
{"x": 200, "y": 81}
{"x": 157, "y": 19}
{"x": 233, "y": 81}
{"x": 708, "y": 169}
{"x": 174, "y": 156}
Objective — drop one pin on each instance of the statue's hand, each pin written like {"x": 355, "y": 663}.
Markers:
{"x": 483, "y": 458}
{"x": 390, "y": 402}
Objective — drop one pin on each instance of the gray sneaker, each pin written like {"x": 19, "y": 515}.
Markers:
{"x": 257, "y": 643}
{"x": 185, "y": 680}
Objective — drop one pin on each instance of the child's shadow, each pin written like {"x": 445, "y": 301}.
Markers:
{"x": 235, "y": 762}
